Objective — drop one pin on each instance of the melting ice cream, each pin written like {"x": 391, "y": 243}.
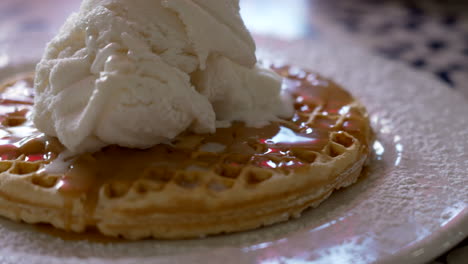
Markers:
{"x": 138, "y": 73}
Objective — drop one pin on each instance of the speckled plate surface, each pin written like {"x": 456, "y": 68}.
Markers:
{"x": 410, "y": 207}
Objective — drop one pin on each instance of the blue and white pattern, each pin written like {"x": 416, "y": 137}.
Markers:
{"x": 428, "y": 35}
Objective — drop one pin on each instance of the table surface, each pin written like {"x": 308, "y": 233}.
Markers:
{"x": 430, "y": 36}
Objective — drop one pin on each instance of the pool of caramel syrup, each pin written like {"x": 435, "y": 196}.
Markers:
{"x": 269, "y": 147}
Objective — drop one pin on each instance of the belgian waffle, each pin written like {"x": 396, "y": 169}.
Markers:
{"x": 239, "y": 178}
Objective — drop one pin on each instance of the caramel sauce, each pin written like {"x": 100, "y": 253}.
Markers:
{"x": 271, "y": 147}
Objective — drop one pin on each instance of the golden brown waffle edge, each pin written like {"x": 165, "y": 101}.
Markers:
{"x": 183, "y": 203}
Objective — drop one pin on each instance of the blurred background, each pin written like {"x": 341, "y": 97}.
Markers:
{"x": 431, "y": 36}
{"x": 428, "y": 35}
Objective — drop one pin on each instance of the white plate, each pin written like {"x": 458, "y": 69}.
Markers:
{"x": 411, "y": 206}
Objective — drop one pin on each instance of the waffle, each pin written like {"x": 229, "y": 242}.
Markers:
{"x": 239, "y": 178}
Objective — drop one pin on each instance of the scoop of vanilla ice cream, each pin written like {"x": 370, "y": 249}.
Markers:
{"x": 138, "y": 73}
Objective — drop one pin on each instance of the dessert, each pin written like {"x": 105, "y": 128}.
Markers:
{"x": 238, "y": 158}
{"x": 236, "y": 179}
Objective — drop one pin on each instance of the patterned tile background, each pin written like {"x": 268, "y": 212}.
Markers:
{"x": 430, "y": 36}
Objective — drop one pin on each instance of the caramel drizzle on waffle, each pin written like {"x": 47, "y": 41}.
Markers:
{"x": 324, "y": 112}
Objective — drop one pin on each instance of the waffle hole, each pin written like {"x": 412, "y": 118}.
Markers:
{"x": 33, "y": 147}
{"x": 116, "y": 190}
{"x": 188, "y": 180}
{"x": 257, "y": 146}
{"x": 343, "y": 139}
{"x": 257, "y": 175}
{"x": 45, "y": 181}
{"x": 143, "y": 187}
{"x": 324, "y": 122}
{"x": 220, "y": 185}
{"x": 207, "y": 157}
{"x": 305, "y": 155}
{"x": 13, "y": 121}
{"x": 229, "y": 171}
{"x": 4, "y": 166}
{"x": 23, "y": 168}
{"x": 159, "y": 175}
{"x": 335, "y": 150}
{"x": 237, "y": 159}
